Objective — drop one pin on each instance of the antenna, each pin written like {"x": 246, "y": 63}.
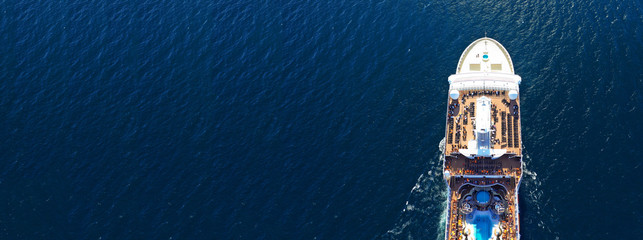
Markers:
{"x": 485, "y": 34}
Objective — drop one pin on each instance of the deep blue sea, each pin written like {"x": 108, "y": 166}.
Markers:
{"x": 286, "y": 119}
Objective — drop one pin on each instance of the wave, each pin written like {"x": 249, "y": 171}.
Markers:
{"x": 418, "y": 219}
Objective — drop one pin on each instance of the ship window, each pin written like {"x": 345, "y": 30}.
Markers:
{"x": 474, "y": 67}
{"x": 496, "y": 67}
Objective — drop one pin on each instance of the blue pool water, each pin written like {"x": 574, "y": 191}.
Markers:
{"x": 483, "y": 226}
{"x": 482, "y": 197}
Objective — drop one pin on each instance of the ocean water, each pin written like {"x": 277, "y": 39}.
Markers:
{"x": 303, "y": 119}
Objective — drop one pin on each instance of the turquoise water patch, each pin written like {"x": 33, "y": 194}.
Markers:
{"x": 482, "y": 197}
{"x": 483, "y": 226}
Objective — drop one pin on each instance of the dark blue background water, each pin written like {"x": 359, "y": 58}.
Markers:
{"x": 303, "y": 119}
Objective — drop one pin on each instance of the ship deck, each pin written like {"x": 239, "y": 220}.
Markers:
{"x": 457, "y": 220}
{"x": 484, "y": 79}
{"x": 483, "y": 171}
{"x": 505, "y": 121}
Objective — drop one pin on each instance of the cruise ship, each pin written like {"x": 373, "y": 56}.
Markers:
{"x": 482, "y": 154}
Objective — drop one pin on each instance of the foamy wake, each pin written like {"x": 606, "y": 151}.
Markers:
{"x": 424, "y": 214}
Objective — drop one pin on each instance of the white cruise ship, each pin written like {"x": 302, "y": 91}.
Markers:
{"x": 483, "y": 160}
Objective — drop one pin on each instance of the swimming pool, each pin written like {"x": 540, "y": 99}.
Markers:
{"x": 482, "y": 197}
{"x": 483, "y": 226}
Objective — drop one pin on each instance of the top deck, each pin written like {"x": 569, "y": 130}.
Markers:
{"x": 504, "y": 121}
{"x": 483, "y": 144}
{"x": 483, "y": 116}
{"x": 485, "y": 55}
